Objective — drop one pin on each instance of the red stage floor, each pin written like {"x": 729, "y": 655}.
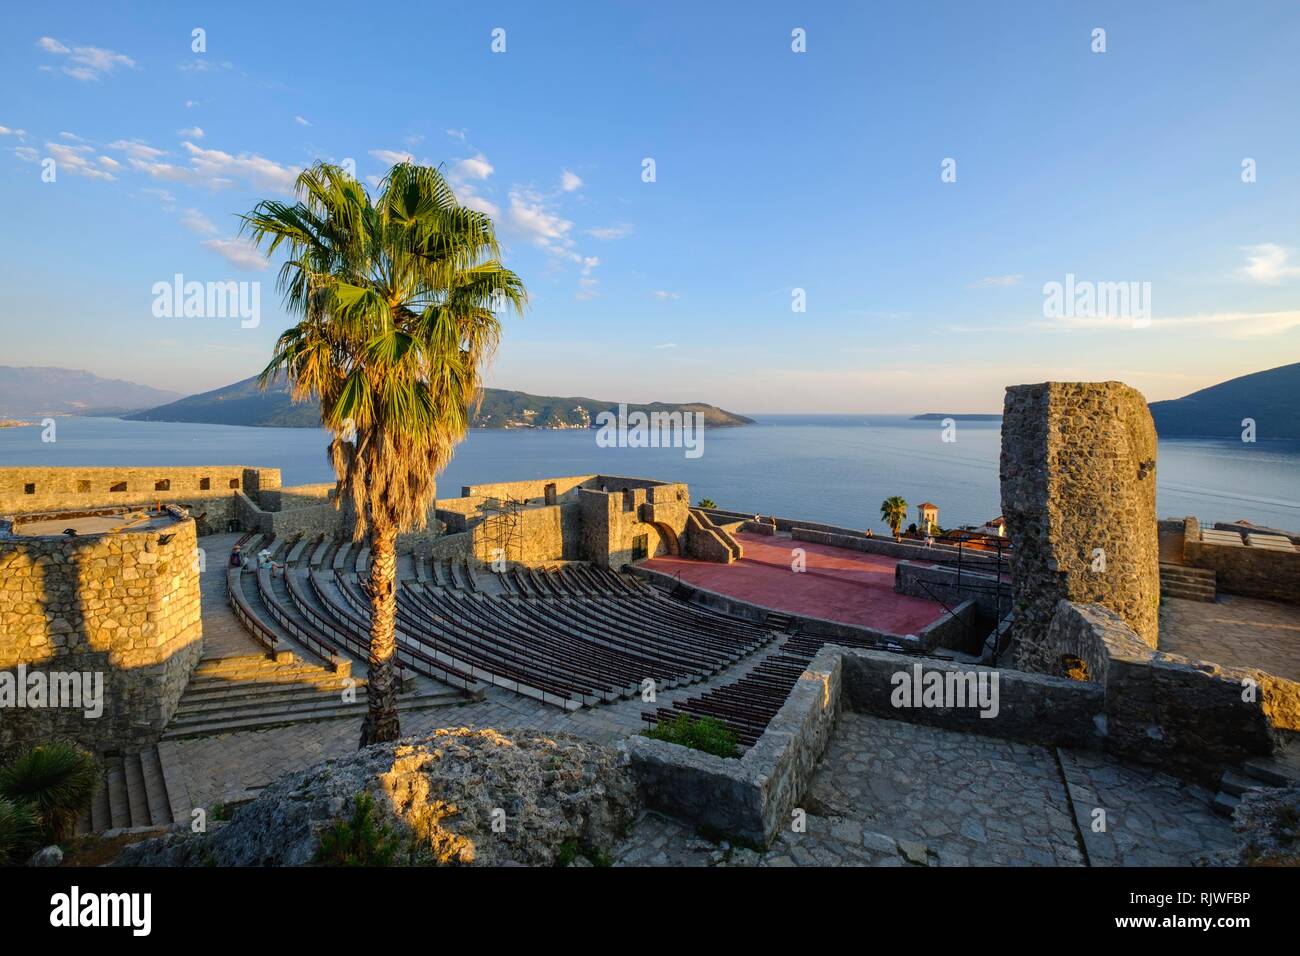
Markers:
{"x": 840, "y": 584}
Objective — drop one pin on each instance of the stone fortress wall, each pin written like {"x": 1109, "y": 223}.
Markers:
{"x": 1078, "y": 493}
{"x": 121, "y": 605}
{"x": 209, "y": 490}
{"x": 596, "y": 518}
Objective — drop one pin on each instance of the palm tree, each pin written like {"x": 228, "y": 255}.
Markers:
{"x": 893, "y": 512}
{"x": 396, "y": 300}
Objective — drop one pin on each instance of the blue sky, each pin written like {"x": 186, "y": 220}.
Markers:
{"x": 775, "y": 171}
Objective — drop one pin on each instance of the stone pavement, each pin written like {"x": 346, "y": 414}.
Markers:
{"x": 1234, "y": 631}
{"x": 223, "y": 635}
{"x": 889, "y": 793}
{"x": 217, "y": 769}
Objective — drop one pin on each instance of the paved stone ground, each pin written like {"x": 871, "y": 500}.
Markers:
{"x": 215, "y": 769}
{"x": 223, "y": 635}
{"x": 1234, "y": 631}
{"x": 890, "y": 793}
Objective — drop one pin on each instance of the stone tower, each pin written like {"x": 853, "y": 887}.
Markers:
{"x": 1079, "y": 496}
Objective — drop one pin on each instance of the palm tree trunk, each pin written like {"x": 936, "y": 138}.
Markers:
{"x": 381, "y": 681}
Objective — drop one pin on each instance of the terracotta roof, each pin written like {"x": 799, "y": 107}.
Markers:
{"x": 928, "y": 504}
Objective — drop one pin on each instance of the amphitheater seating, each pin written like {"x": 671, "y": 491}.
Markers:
{"x": 571, "y": 636}
{"x": 749, "y": 703}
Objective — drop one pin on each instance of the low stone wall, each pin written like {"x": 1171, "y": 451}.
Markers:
{"x": 1243, "y": 569}
{"x": 940, "y": 583}
{"x": 1192, "y": 716}
{"x": 751, "y": 798}
{"x": 120, "y": 609}
{"x": 899, "y": 549}
{"x": 957, "y": 630}
{"x": 1033, "y": 708}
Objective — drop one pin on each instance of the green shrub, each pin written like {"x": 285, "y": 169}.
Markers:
{"x": 705, "y": 503}
{"x": 699, "y": 733}
{"x": 18, "y": 831}
{"x": 57, "y": 780}
{"x": 361, "y": 841}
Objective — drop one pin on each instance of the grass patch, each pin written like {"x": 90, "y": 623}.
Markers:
{"x": 699, "y": 733}
{"x": 360, "y": 841}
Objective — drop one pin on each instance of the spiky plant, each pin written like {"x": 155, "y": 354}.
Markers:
{"x": 57, "y": 781}
{"x": 397, "y": 299}
{"x": 18, "y": 830}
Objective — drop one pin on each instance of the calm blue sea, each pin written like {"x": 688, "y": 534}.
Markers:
{"x": 831, "y": 468}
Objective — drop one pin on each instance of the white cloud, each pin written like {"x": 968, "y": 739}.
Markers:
{"x": 1226, "y": 325}
{"x": 195, "y": 221}
{"x": 391, "y": 157}
{"x": 475, "y": 167}
{"x": 528, "y": 217}
{"x": 6, "y": 131}
{"x": 238, "y": 252}
{"x": 212, "y": 167}
{"x": 190, "y": 104}
{"x": 164, "y": 196}
{"x": 997, "y": 281}
{"x": 71, "y": 137}
{"x": 665, "y": 294}
{"x": 570, "y": 181}
{"x": 26, "y": 153}
{"x": 136, "y": 149}
{"x": 89, "y": 63}
{"x": 667, "y": 345}
{"x": 1268, "y": 264}
{"x": 74, "y": 161}
{"x": 619, "y": 231}
{"x": 301, "y": 121}
{"x": 194, "y": 132}
{"x": 108, "y": 161}
{"x": 456, "y": 134}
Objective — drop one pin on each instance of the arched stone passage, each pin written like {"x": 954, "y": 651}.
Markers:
{"x": 669, "y": 537}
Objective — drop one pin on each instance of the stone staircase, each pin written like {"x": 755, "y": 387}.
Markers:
{"x": 134, "y": 793}
{"x": 254, "y": 692}
{"x": 1190, "y": 584}
{"x": 1280, "y": 770}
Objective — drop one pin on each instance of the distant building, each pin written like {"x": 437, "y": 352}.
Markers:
{"x": 929, "y": 513}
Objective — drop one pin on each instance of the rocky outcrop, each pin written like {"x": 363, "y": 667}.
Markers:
{"x": 1267, "y": 823}
{"x": 457, "y": 797}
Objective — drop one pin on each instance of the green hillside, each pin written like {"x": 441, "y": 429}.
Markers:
{"x": 245, "y": 404}
{"x": 1271, "y": 398}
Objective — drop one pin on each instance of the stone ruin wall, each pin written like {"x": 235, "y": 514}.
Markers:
{"x": 1079, "y": 486}
{"x": 209, "y": 490}
{"x": 125, "y": 605}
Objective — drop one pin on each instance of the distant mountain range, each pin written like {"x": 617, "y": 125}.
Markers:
{"x": 243, "y": 403}
{"x": 1271, "y": 399}
{"x": 35, "y": 392}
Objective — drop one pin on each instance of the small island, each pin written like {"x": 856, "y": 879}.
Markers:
{"x": 13, "y": 423}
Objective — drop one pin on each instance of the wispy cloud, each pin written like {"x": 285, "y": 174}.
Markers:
{"x": 569, "y": 181}
{"x": 6, "y": 131}
{"x": 86, "y": 63}
{"x": 195, "y": 221}
{"x": 238, "y": 252}
{"x": 666, "y": 345}
{"x": 212, "y": 168}
{"x": 1268, "y": 264}
{"x": 997, "y": 282}
{"x": 302, "y": 121}
{"x": 665, "y": 294}
{"x": 194, "y": 132}
{"x": 618, "y": 231}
